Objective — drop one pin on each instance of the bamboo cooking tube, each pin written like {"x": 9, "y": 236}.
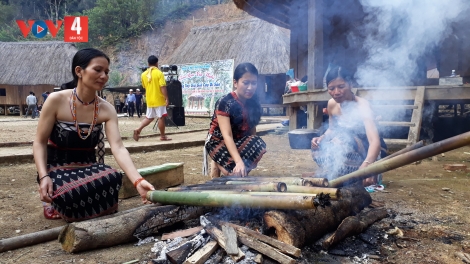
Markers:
{"x": 407, "y": 149}
{"x": 253, "y": 193}
{"x": 261, "y": 187}
{"x": 288, "y": 180}
{"x": 333, "y": 192}
{"x": 229, "y": 199}
{"x": 404, "y": 159}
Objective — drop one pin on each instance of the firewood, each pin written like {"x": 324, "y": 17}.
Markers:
{"x": 282, "y": 247}
{"x": 124, "y": 227}
{"x": 29, "y": 239}
{"x": 218, "y": 236}
{"x": 265, "y": 249}
{"x": 300, "y": 227}
{"x": 203, "y": 254}
{"x": 258, "y": 259}
{"x": 455, "y": 167}
{"x": 354, "y": 225}
{"x": 230, "y": 240}
{"x": 181, "y": 233}
{"x": 181, "y": 253}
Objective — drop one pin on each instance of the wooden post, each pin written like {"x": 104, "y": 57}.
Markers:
{"x": 293, "y": 117}
{"x": 315, "y": 45}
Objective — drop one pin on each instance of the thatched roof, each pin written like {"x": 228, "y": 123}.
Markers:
{"x": 36, "y": 62}
{"x": 273, "y": 11}
{"x": 256, "y": 41}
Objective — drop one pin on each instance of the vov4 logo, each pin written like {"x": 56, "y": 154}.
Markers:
{"x": 75, "y": 28}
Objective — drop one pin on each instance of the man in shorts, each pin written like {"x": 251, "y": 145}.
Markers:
{"x": 157, "y": 98}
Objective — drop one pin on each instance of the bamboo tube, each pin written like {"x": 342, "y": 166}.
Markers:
{"x": 407, "y": 149}
{"x": 228, "y": 199}
{"x": 333, "y": 192}
{"x": 404, "y": 159}
{"x": 261, "y": 187}
{"x": 253, "y": 193}
{"x": 321, "y": 182}
{"x": 241, "y": 182}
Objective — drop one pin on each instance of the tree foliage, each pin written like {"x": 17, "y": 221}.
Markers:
{"x": 109, "y": 21}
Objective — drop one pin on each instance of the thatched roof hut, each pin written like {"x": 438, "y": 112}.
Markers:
{"x": 273, "y": 11}
{"x": 36, "y": 62}
{"x": 36, "y": 66}
{"x": 256, "y": 41}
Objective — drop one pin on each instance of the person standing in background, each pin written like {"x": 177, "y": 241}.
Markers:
{"x": 31, "y": 102}
{"x": 138, "y": 102}
{"x": 130, "y": 103}
{"x": 157, "y": 98}
{"x": 44, "y": 97}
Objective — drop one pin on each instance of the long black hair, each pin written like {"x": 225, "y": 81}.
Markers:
{"x": 82, "y": 58}
{"x": 253, "y": 105}
{"x": 336, "y": 72}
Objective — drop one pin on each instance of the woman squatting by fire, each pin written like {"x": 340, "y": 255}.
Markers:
{"x": 68, "y": 133}
{"x": 231, "y": 142}
{"x": 352, "y": 141}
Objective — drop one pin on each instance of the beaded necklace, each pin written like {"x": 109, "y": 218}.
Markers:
{"x": 73, "y": 97}
{"x": 80, "y": 100}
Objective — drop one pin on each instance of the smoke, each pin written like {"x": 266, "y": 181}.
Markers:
{"x": 399, "y": 34}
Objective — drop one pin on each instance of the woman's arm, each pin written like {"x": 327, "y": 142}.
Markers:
{"x": 44, "y": 128}
{"x": 371, "y": 132}
{"x": 225, "y": 128}
{"x": 121, "y": 154}
{"x": 330, "y": 109}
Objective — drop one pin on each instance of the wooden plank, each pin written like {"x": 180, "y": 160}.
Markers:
{"x": 265, "y": 249}
{"x": 393, "y": 123}
{"x": 281, "y": 246}
{"x": 203, "y": 254}
{"x": 161, "y": 176}
{"x": 230, "y": 240}
{"x": 388, "y": 107}
{"x": 218, "y": 235}
{"x": 416, "y": 117}
{"x": 182, "y": 233}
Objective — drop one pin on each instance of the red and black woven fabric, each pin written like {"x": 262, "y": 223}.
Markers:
{"x": 83, "y": 188}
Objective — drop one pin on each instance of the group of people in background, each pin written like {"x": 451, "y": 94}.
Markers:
{"x": 33, "y": 105}
{"x": 69, "y": 144}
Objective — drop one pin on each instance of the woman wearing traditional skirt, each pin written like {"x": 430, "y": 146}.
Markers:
{"x": 352, "y": 140}
{"x": 68, "y": 133}
{"x": 232, "y": 142}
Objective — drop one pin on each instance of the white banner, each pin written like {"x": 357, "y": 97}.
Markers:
{"x": 203, "y": 83}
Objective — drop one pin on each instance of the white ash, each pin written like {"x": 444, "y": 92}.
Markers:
{"x": 145, "y": 241}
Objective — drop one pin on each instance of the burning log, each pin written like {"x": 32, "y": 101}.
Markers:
{"x": 320, "y": 182}
{"x": 203, "y": 254}
{"x": 354, "y": 225}
{"x": 182, "y": 233}
{"x": 230, "y": 240}
{"x": 181, "y": 253}
{"x": 218, "y": 236}
{"x": 299, "y": 227}
{"x": 223, "y": 199}
{"x": 265, "y": 249}
{"x": 262, "y": 187}
{"x": 403, "y": 159}
{"x": 123, "y": 227}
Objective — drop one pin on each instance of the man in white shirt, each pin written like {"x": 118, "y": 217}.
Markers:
{"x": 31, "y": 101}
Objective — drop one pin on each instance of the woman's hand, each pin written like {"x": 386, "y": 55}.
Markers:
{"x": 364, "y": 164}
{"x": 316, "y": 142}
{"x": 239, "y": 170}
{"x": 46, "y": 190}
{"x": 143, "y": 187}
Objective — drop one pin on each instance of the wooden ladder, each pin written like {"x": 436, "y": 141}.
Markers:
{"x": 414, "y": 124}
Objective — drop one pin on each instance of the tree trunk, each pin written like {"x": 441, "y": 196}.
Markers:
{"x": 300, "y": 227}
{"x": 123, "y": 227}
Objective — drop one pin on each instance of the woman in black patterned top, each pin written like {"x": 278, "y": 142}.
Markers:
{"x": 232, "y": 142}
{"x": 70, "y": 178}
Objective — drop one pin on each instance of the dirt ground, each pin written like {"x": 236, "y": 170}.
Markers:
{"x": 430, "y": 204}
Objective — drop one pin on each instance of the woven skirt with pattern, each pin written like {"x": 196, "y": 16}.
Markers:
{"x": 340, "y": 154}
{"x": 83, "y": 190}
{"x": 251, "y": 149}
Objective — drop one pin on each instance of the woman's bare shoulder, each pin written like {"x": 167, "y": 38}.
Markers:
{"x": 362, "y": 102}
